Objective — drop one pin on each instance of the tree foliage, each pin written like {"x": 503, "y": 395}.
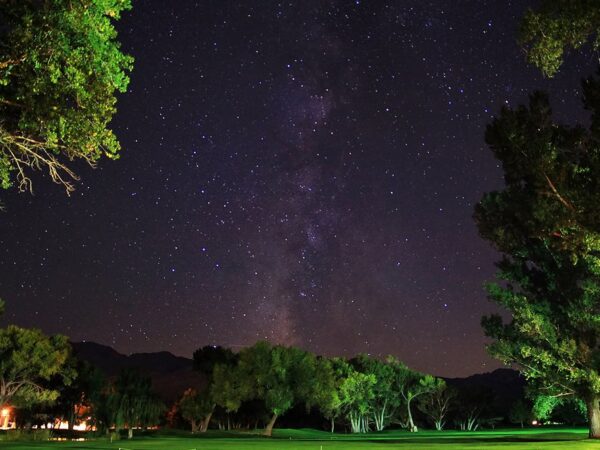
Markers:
{"x": 280, "y": 376}
{"x": 60, "y": 68}
{"x": 438, "y": 404}
{"x": 133, "y": 402}
{"x": 28, "y": 359}
{"x": 357, "y": 394}
{"x": 519, "y": 413}
{"x": 228, "y": 388}
{"x": 364, "y": 391}
{"x": 546, "y": 222}
{"x": 332, "y": 373}
{"x": 556, "y": 26}
{"x": 385, "y": 399}
{"x": 195, "y": 407}
{"x": 203, "y": 403}
{"x": 412, "y": 385}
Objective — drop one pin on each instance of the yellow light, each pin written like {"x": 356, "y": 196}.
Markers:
{"x": 5, "y": 412}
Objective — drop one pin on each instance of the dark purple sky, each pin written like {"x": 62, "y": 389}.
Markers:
{"x": 300, "y": 171}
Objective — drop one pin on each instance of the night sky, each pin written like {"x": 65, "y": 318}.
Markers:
{"x": 301, "y": 171}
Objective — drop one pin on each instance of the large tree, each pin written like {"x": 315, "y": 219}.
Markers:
{"x": 357, "y": 394}
{"x": 546, "y": 223}
{"x": 412, "y": 385}
{"x": 196, "y": 407}
{"x": 385, "y": 399}
{"x": 28, "y": 360}
{"x": 280, "y": 376}
{"x": 60, "y": 68}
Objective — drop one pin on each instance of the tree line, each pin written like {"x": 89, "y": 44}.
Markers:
{"x": 364, "y": 393}
{"x": 254, "y": 388}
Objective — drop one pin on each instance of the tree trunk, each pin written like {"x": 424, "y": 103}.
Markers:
{"x": 332, "y": 425}
{"x": 593, "y": 412}
{"x": 205, "y": 423}
{"x": 269, "y": 427}
{"x": 194, "y": 427}
{"x": 411, "y": 424}
{"x": 71, "y": 419}
{"x": 129, "y": 433}
{"x": 355, "y": 422}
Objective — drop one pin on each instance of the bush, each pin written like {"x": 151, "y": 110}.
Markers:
{"x": 28, "y": 435}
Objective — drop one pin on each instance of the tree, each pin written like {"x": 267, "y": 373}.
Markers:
{"x": 195, "y": 407}
{"x": 205, "y": 360}
{"x": 519, "y": 412}
{"x": 96, "y": 395}
{"x": 556, "y": 26}
{"x": 356, "y": 393}
{"x": 28, "y": 358}
{"x": 546, "y": 223}
{"x": 207, "y": 357}
{"x": 333, "y": 372}
{"x": 60, "y": 68}
{"x": 229, "y": 387}
{"x": 72, "y": 396}
{"x": 437, "y": 404}
{"x": 133, "y": 402}
{"x": 280, "y": 376}
{"x": 474, "y": 405}
{"x": 385, "y": 399}
{"x": 411, "y": 385}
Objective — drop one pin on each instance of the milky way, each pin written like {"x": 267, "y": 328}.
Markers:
{"x": 303, "y": 172}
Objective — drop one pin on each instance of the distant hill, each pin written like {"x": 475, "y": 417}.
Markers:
{"x": 170, "y": 374}
{"x": 505, "y": 385}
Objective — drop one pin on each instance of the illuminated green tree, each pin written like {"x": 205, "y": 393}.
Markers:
{"x": 60, "y": 68}
{"x": 546, "y": 222}
{"x": 28, "y": 360}
{"x": 332, "y": 372}
{"x": 412, "y": 385}
{"x": 385, "y": 399}
{"x": 357, "y": 393}
{"x": 280, "y": 376}
{"x": 556, "y": 26}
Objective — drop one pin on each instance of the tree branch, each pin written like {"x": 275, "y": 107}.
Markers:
{"x": 557, "y": 194}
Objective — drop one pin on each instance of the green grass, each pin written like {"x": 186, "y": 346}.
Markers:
{"x": 529, "y": 439}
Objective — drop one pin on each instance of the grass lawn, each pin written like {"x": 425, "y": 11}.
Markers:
{"x": 317, "y": 440}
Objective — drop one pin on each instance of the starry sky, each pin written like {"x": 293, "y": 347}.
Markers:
{"x": 298, "y": 171}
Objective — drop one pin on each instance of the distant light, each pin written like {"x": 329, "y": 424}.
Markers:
{"x": 534, "y": 422}
{"x": 5, "y": 412}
